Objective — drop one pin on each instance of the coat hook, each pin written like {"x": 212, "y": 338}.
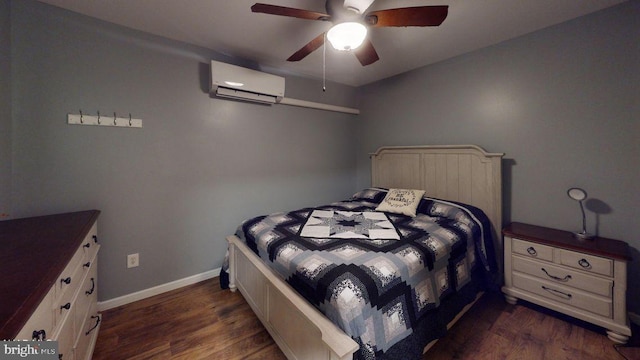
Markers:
{"x": 114, "y": 119}
{"x": 81, "y": 119}
{"x": 98, "y": 117}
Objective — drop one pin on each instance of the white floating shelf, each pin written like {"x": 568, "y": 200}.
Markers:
{"x": 76, "y": 119}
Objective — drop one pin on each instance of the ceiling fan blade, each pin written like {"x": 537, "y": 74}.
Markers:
{"x": 366, "y": 53}
{"x": 287, "y": 11}
{"x": 307, "y": 49}
{"x": 411, "y": 16}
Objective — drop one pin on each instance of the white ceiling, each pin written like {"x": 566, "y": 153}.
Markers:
{"x": 229, "y": 26}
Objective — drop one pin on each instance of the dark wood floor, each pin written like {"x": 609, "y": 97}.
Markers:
{"x": 202, "y": 321}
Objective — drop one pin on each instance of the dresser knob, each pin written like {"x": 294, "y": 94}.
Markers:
{"x": 532, "y": 251}
{"x": 95, "y": 238}
{"x": 66, "y": 306}
{"x": 87, "y": 245}
{"x": 66, "y": 281}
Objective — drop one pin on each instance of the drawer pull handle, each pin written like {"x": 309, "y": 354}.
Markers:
{"x": 87, "y": 245}
{"x": 95, "y": 238}
{"x": 87, "y": 264}
{"x": 66, "y": 306}
{"x": 93, "y": 287}
{"x": 66, "y": 281}
{"x": 532, "y": 251}
{"x": 584, "y": 263}
{"x": 39, "y": 335}
{"x": 557, "y": 292}
{"x": 566, "y": 278}
{"x": 97, "y": 317}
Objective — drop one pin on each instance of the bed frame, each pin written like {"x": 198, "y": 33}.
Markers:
{"x": 464, "y": 173}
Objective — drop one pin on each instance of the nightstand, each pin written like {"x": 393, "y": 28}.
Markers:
{"x": 586, "y": 279}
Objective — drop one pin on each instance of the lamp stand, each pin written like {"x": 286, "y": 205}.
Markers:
{"x": 583, "y": 235}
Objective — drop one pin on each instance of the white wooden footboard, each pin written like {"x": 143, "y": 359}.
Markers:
{"x": 298, "y": 328}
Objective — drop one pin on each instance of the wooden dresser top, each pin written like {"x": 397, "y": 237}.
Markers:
{"x": 33, "y": 252}
{"x": 564, "y": 239}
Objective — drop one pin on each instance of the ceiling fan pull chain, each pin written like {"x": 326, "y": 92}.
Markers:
{"x": 324, "y": 63}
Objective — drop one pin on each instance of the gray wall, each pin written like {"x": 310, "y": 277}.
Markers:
{"x": 561, "y": 103}
{"x": 174, "y": 189}
{"x": 5, "y": 110}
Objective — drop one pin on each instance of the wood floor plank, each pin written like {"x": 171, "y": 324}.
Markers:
{"x": 224, "y": 336}
{"x": 201, "y": 321}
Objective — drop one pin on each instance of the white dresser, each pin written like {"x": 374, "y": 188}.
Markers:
{"x": 586, "y": 279}
{"x": 58, "y": 264}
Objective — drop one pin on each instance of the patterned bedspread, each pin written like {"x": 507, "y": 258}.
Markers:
{"x": 376, "y": 275}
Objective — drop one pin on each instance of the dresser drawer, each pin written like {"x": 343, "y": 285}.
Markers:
{"x": 41, "y": 320}
{"x": 586, "y": 262}
{"x": 88, "y": 334}
{"x": 65, "y": 338}
{"x": 564, "y": 294}
{"x": 564, "y": 276}
{"x": 532, "y": 250}
{"x": 68, "y": 279}
{"x": 66, "y": 300}
{"x": 87, "y": 295}
{"x": 90, "y": 244}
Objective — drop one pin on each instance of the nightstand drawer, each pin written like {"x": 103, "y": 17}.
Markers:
{"x": 533, "y": 250}
{"x": 586, "y": 262}
{"x": 564, "y": 276}
{"x": 563, "y": 294}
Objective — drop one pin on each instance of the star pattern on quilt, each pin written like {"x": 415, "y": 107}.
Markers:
{"x": 349, "y": 224}
{"x": 344, "y": 221}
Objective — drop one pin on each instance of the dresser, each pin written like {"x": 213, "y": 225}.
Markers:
{"x": 586, "y": 279}
{"x": 49, "y": 279}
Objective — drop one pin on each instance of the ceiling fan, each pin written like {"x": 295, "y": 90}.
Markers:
{"x": 350, "y": 20}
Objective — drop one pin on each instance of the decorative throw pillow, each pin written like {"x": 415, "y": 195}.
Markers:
{"x": 374, "y": 195}
{"x": 401, "y": 201}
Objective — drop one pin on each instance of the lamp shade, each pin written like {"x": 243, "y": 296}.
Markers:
{"x": 347, "y": 35}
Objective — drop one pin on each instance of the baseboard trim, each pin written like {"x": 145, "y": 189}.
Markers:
{"x": 635, "y": 318}
{"x": 156, "y": 290}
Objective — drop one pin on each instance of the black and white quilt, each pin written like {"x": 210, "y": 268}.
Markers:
{"x": 381, "y": 277}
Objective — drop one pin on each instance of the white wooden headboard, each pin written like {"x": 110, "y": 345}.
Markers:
{"x": 464, "y": 173}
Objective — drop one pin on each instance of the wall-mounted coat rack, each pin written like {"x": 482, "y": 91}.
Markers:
{"x": 102, "y": 120}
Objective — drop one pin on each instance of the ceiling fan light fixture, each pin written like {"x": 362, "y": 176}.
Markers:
{"x": 347, "y": 35}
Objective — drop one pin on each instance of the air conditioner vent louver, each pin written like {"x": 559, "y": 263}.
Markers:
{"x": 245, "y": 95}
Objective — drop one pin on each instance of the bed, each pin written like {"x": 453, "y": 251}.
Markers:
{"x": 377, "y": 307}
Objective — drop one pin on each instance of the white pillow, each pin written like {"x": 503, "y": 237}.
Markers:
{"x": 401, "y": 201}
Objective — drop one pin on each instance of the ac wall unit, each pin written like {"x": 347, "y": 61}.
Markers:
{"x": 235, "y": 82}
